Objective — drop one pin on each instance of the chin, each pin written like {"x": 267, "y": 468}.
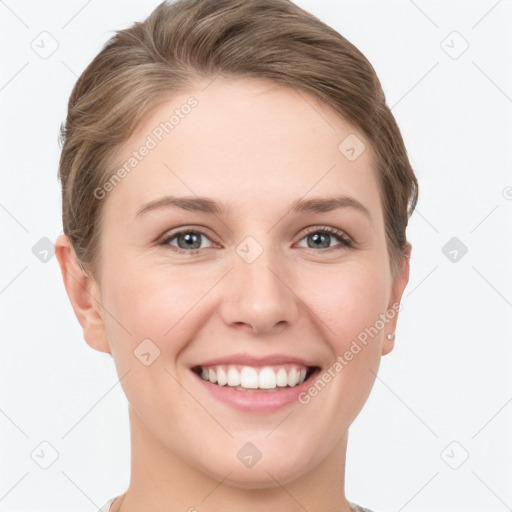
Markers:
{"x": 248, "y": 479}
{"x": 280, "y": 469}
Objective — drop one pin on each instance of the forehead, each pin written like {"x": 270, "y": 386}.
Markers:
{"x": 234, "y": 139}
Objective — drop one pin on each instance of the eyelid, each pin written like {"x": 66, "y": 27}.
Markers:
{"x": 170, "y": 235}
{"x": 329, "y": 229}
{"x": 346, "y": 241}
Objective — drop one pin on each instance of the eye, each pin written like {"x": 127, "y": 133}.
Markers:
{"x": 321, "y": 237}
{"x": 188, "y": 241}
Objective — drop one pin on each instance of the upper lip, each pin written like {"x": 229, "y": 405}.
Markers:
{"x": 256, "y": 360}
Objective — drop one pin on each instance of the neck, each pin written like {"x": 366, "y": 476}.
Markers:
{"x": 162, "y": 481}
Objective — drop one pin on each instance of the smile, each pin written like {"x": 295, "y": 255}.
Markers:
{"x": 253, "y": 383}
{"x": 245, "y": 378}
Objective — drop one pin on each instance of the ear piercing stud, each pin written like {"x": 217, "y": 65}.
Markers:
{"x": 391, "y": 336}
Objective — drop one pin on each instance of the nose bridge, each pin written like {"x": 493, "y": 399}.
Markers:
{"x": 257, "y": 291}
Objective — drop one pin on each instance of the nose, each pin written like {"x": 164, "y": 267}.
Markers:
{"x": 259, "y": 296}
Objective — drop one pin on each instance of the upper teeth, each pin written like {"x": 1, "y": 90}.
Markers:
{"x": 252, "y": 378}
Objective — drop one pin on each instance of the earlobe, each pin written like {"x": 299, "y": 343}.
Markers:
{"x": 399, "y": 283}
{"x": 83, "y": 293}
{"x": 388, "y": 345}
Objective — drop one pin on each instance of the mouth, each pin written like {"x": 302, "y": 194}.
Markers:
{"x": 256, "y": 379}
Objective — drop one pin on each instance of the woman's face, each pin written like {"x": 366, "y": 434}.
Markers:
{"x": 255, "y": 283}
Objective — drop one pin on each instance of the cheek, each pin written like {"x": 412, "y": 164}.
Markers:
{"x": 350, "y": 300}
{"x": 151, "y": 302}
{"x": 151, "y": 320}
{"x": 357, "y": 300}
{"x": 349, "y": 305}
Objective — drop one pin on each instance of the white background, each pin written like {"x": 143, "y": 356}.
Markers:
{"x": 448, "y": 378}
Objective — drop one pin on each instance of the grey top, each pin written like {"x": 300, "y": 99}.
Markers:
{"x": 106, "y": 507}
{"x": 357, "y": 508}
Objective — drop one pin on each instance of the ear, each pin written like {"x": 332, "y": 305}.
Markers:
{"x": 399, "y": 283}
{"x": 84, "y": 294}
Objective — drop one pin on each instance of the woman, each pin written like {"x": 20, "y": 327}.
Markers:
{"x": 235, "y": 199}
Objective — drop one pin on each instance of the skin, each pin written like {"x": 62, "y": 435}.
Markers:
{"x": 256, "y": 147}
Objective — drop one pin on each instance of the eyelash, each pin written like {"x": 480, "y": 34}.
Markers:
{"x": 345, "y": 241}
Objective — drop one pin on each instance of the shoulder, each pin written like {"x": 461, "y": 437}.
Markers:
{"x": 106, "y": 507}
{"x": 358, "y": 508}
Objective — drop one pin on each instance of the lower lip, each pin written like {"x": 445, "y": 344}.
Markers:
{"x": 253, "y": 401}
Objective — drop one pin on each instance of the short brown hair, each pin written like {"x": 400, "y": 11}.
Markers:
{"x": 184, "y": 41}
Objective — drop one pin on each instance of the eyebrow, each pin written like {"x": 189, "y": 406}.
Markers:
{"x": 208, "y": 205}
